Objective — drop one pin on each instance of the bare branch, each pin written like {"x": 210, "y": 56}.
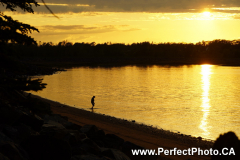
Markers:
{"x": 49, "y": 9}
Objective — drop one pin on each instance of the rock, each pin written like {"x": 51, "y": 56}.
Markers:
{"x": 9, "y": 131}
{"x": 56, "y": 117}
{"x": 75, "y": 137}
{"x": 8, "y": 115}
{"x": 54, "y": 124}
{"x": 4, "y": 138}
{"x": 99, "y": 138}
{"x": 47, "y": 148}
{"x": 2, "y": 157}
{"x": 89, "y": 130}
{"x": 115, "y": 154}
{"x": 37, "y": 106}
{"x": 99, "y": 143}
{"x": 90, "y": 146}
{"x": 72, "y": 126}
{"x": 54, "y": 132}
{"x": 88, "y": 157}
{"x": 71, "y": 136}
{"x": 199, "y": 138}
{"x": 101, "y": 134}
{"x": 13, "y": 151}
{"x": 228, "y": 141}
{"x": 16, "y": 133}
{"x": 128, "y": 146}
{"x": 34, "y": 121}
{"x": 113, "y": 141}
{"x": 77, "y": 150}
{"x": 24, "y": 131}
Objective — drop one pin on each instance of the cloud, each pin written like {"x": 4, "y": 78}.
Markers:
{"x": 82, "y": 29}
{"x": 161, "y": 6}
{"x": 80, "y": 33}
{"x": 227, "y": 10}
{"x": 148, "y": 5}
{"x": 236, "y": 16}
{"x": 68, "y": 27}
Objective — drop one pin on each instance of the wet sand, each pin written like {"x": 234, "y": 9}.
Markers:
{"x": 140, "y": 134}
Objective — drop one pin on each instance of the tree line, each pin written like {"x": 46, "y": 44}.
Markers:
{"x": 205, "y": 50}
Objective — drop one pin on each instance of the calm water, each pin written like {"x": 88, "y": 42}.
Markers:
{"x": 200, "y": 100}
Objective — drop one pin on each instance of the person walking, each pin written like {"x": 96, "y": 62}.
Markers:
{"x": 92, "y": 101}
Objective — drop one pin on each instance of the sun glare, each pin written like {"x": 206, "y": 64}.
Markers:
{"x": 207, "y": 14}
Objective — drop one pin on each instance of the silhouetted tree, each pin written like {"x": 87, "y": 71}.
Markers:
{"x": 16, "y": 32}
{"x": 12, "y": 30}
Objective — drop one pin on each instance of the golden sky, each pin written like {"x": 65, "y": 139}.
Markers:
{"x": 131, "y": 21}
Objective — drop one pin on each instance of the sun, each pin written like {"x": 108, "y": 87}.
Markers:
{"x": 207, "y": 14}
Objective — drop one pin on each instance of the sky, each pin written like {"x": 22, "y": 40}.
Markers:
{"x": 132, "y": 21}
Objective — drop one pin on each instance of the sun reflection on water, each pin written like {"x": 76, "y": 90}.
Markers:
{"x": 206, "y": 75}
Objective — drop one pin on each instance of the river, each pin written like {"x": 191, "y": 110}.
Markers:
{"x": 198, "y": 100}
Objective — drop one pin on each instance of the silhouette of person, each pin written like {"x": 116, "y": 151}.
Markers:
{"x": 92, "y": 101}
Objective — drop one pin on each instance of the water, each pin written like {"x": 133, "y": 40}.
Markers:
{"x": 198, "y": 100}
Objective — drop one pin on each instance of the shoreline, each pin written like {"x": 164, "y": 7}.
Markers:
{"x": 140, "y": 134}
{"x": 78, "y": 63}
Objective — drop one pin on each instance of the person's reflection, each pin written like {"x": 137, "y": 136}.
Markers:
{"x": 92, "y": 110}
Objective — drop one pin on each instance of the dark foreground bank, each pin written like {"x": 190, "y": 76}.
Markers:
{"x": 30, "y": 131}
{"x": 32, "y": 128}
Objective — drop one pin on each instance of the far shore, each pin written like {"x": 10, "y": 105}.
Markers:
{"x": 142, "y": 135}
{"x": 70, "y": 62}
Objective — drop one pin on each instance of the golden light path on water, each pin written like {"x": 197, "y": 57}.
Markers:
{"x": 206, "y": 75}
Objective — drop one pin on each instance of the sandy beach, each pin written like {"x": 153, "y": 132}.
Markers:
{"x": 142, "y": 135}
